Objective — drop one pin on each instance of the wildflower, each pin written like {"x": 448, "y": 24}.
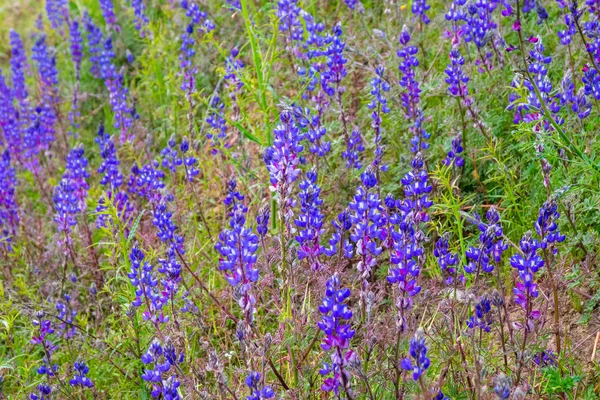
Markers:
{"x": 418, "y": 352}
{"x": 353, "y": 149}
{"x": 9, "y": 209}
{"x": 411, "y": 95}
{"x": 108, "y": 12}
{"x": 76, "y": 46}
{"x": 237, "y": 247}
{"x": 253, "y": 381}
{"x": 454, "y": 157}
{"x": 546, "y": 226}
{"x": 527, "y": 265}
{"x": 289, "y": 22}
{"x": 110, "y": 164}
{"x": 147, "y": 181}
{"x": 366, "y": 216}
{"x": 147, "y": 290}
{"x": 491, "y": 245}
{"x": 216, "y": 120}
{"x": 80, "y": 378}
{"x": 482, "y": 318}
{"x": 160, "y": 361}
{"x": 95, "y": 41}
{"x": 420, "y": 8}
{"x": 282, "y": 161}
{"x": 57, "y": 12}
{"x": 338, "y": 335}
{"x": 502, "y": 387}
{"x": 262, "y": 221}
{"x": 140, "y": 19}
{"x": 310, "y": 221}
{"x": 44, "y": 391}
{"x": 331, "y": 78}
{"x": 174, "y": 156}
{"x": 342, "y": 224}
{"x": 378, "y": 105}
{"x": 233, "y": 67}
{"x": 416, "y": 190}
{"x": 446, "y": 260}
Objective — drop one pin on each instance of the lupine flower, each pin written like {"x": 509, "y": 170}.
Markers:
{"x": 186, "y": 55}
{"x": 76, "y": 46}
{"x": 282, "y": 161}
{"x": 67, "y": 313}
{"x": 546, "y": 225}
{"x": 566, "y": 35}
{"x": 174, "y": 156}
{"x": 140, "y": 19}
{"x": 9, "y": 209}
{"x": 161, "y": 360}
{"x": 454, "y": 157}
{"x": 342, "y": 224}
{"x": 440, "y": 396}
{"x": 69, "y": 195}
{"x": 253, "y": 381}
{"x": 457, "y": 80}
{"x": 491, "y": 244}
{"x": 378, "y": 105}
{"x": 416, "y": 190}
{"x": 545, "y": 358}
{"x": 110, "y": 165}
{"x": 108, "y": 12}
{"x": 418, "y": 352}
{"x": 112, "y": 179}
{"x": 198, "y": 21}
{"x": 527, "y": 265}
{"x": 332, "y": 77}
{"x": 76, "y": 173}
{"x": 354, "y": 148}
{"x": 95, "y": 44}
{"x": 288, "y": 13}
{"x": 234, "y": 4}
{"x": 502, "y": 387}
{"x": 44, "y": 391}
{"x": 419, "y": 8}
{"x": 216, "y": 120}
{"x": 147, "y": 291}
{"x": 482, "y": 318}
{"x": 316, "y": 130}
{"x": 405, "y": 260}
{"x": 262, "y": 221}
{"x": 18, "y": 65}
{"x": 147, "y": 181}
{"x": 42, "y": 339}
{"x": 334, "y": 323}
{"x": 80, "y": 378}
{"x": 591, "y": 83}
{"x": 411, "y": 95}
{"x": 446, "y": 260}
{"x": 367, "y": 217}
{"x": 237, "y": 247}
{"x": 539, "y": 71}
{"x": 310, "y": 221}
{"x": 9, "y": 121}
{"x": 57, "y": 11}
{"x": 233, "y": 67}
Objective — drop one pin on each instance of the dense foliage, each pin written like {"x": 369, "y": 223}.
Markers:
{"x": 299, "y": 199}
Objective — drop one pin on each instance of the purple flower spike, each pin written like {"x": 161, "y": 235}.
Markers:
{"x": 257, "y": 391}
{"x": 338, "y": 333}
{"x": 310, "y": 221}
{"x": 418, "y": 352}
{"x": 237, "y": 247}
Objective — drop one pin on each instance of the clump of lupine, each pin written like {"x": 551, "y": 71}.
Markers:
{"x": 391, "y": 178}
